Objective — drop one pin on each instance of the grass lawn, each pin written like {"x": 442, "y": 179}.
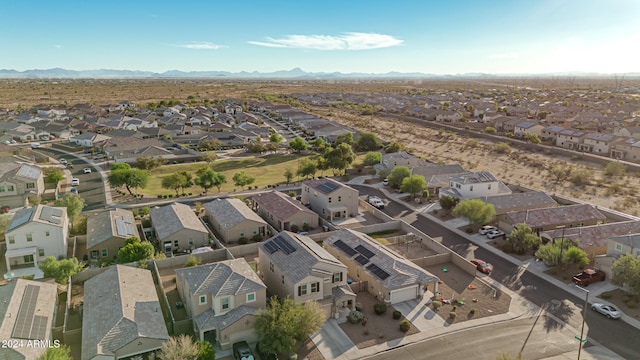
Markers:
{"x": 268, "y": 170}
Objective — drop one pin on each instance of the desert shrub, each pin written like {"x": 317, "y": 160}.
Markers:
{"x": 243, "y": 241}
{"x": 452, "y": 315}
{"x": 502, "y": 148}
{"x": 631, "y": 304}
{"x": 192, "y": 261}
{"x": 606, "y": 295}
{"x": 358, "y": 306}
{"x": 469, "y": 230}
{"x": 355, "y": 316}
{"x": 405, "y": 325}
{"x": 472, "y": 311}
{"x": 256, "y": 238}
{"x": 396, "y": 315}
{"x": 306, "y": 227}
{"x": 379, "y": 308}
{"x": 295, "y": 228}
{"x": 436, "y": 304}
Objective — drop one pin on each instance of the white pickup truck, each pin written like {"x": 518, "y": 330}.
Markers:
{"x": 375, "y": 201}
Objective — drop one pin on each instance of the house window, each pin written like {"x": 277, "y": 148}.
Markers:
{"x": 489, "y": 187}
{"x": 271, "y": 266}
{"x": 46, "y": 233}
{"x": 619, "y": 247}
{"x": 315, "y": 287}
{"x": 12, "y": 239}
{"x": 329, "y": 200}
{"x": 337, "y": 277}
{"x": 190, "y": 241}
{"x": 105, "y": 252}
{"x": 94, "y": 254}
{"x": 283, "y": 279}
{"x": 224, "y": 304}
{"x": 40, "y": 252}
{"x": 251, "y": 297}
{"x": 302, "y": 290}
{"x": 9, "y": 187}
{"x": 471, "y": 188}
{"x": 175, "y": 243}
{"x": 29, "y": 237}
{"x": 255, "y": 231}
{"x": 1, "y": 188}
{"x": 339, "y": 198}
{"x": 31, "y": 185}
{"x": 28, "y": 258}
{"x": 241, "y": 233}
{"x": 203, "y": 299}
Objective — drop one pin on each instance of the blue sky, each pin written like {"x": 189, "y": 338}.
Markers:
{"x": 373, "y": 36}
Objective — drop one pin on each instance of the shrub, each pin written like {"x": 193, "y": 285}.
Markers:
{"x": 358, "y": 306}
{"x": 159, "y": 196}
{"x": 606, "y": 295}
{"x": 405, "y": 325}
{"x": 396, "y": 315}
{"x": 452, "y": 315}
{"x": 294, "y": 228}
{"x": 192, "y": 261}
{"x": 631, "y": 304}
{"x": 243, "y": 241}
{"x": 469, "y": 230}
{"x": 306, "y": 227}
{"x": 379, "y": 308}
{"x": 355, "y": 316}
{"x": 257, "y": 238}
{"x": 436, "y": 304}
{"x": 472, "y": 311}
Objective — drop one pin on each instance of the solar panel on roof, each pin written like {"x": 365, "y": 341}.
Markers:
{"x": 284, "y": 245}
{"x": 127, "y": 219}
{"x": 130, "y": 229}
{"x": 51, "y": 215}
{"x": 327, "y": 187}
{"x": 345, "y": 248}
{"x": 378, "y": 271}
{"x": 362, "y": 260}
{"x": 120, "y": 228}
{"x": 56, "y": 212}
{"x": 364, "y": 251}
{"x": 271, "y": 247}
{"x": 28, "y": 325}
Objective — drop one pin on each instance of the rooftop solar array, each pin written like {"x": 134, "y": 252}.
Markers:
{"x": 362, "y": 260}
{"x": 378, "y": 271}
{"x": 327, "y": 187}
{"x": 51, "y": 215}
{"x": 21, "y": 217}
{"x": 28, "y": 325}
{"x": 279, "y": 243}
{"x": 364, "y": 251}
{"x": 124, "y": 228}
{"x": 271, "y": 247}
{"x": 28, "y": 171}
{"x": 345, "y": 248}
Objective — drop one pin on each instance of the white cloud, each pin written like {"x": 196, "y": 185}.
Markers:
{"x": 504, "y": 56}
{"x": 346, "y": 41}
{"x": 201, "y": 46}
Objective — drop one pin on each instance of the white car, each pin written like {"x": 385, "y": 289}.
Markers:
{"x": 487, "y": 229}
{"x": 87, "y": 170}
{"x": 63, "y": 161}
{"x": 607, "y": 310}
{"x": 385, "y": 182}
{"x": 494, "y": 234}
{"x": 35, "y": 145}
{"x": 75, "y": 182}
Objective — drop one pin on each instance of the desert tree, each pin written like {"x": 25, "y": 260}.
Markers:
{"x": 475, "y": 210}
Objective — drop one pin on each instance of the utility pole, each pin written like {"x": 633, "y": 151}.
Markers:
{"x": 584, "y": 317}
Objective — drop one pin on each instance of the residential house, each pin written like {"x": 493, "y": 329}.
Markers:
{"x": 232, "y": 220}
{"x": 570, "y": 139}
{"x": 625, "y": 244}
{"x": 437, "y": 176}
{"x": 284, "y": 212}
{"x": 32, "y": 303}
{"x": 177, "y": 228}
{"x": 448, "y": 116}
{"x": 33, "y": 234}
{"x": 628, "y": 131}
{"x": 390, "y": 277}
{"x": 122, "y": 317}
{"x": 550, "y": 133}
{"x": 88, "y": 139}
{"x": 400, "y": 158}
{"x": 625, "y": 149}
{"x": 19, "y": 181}
{"x": 520, "y": 201}
{"x": 551, "y": 218}
{"x": 294, "y": 265}
{"x": 107, "y": 232}
{"x": 330, "y": 199}
{"x": 561, "y": 118}
{"x": 597, "y": 143}
{"x": 222, "y": 299}
{"x": 527, "y": 127}
{"x": 474, "y": 185}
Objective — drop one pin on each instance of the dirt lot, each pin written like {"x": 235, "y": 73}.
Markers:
{"x": 168, "y": 278}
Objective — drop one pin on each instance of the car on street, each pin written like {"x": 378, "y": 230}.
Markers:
{"x": 75, "y": 182}
{"x": 63, "y": 161}
{"x": 69, "y": 165}
{"x": 242, "y": 351}
{"x": 375, "y": 201}
{"x": 87, "y": 170}
{"x": 74, "y": 190}
{"x": 385, "y": 182}
{"x": 35, "y": 145}
{"x": 486, "y": 229}
{"x": 607, "y": 310}
{"x": 482, "y": 266}
{"x": 495, "y": 233}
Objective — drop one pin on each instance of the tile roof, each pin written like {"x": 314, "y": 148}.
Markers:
{"x": 632, "y": 240}
{"x": 596, "y": 235}
{"x": 120, "y": 305}
{"x": 474, "y": 178}
{"x": 229, "y": 277}
{"x": 280, "y": 205}
{"x": 54, "y": 216}
{"x": 231, "y": 212}
{"x": 167, "y": 220}
{"x": 530, "y": 200}
{"x": 402, "y": 272}
{"x": 325, "y": 185}
{"x": 540, "y": 218}
{"x": 209, "y": 320}
{"x": 111, "y": 223}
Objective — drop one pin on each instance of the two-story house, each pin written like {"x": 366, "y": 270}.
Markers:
{"x": 296, "y": 266}
{"x": 177, "y": 228}
{"x": 550, "y": 133}
{"x": 222, "y": 300}
{"x": 107, "y": 232}
{"x": 474, "y": 185}
{"x": 625, "y": 149}
{"x": 597, "y": 143}
{"x": 330, "y": 199}
{"x": 570, "y": 139}
{"x": 232, "y": 219}
{"x": 527, "y": 127}
{"x": 19, "y": 181}
{"x": 33, "y": 234}
{"x": 284, "y": 212}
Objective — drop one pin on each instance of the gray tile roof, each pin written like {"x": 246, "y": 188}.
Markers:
{"x": 209, "y": 320}
{"x": 595, "y": 235}
{"x": 338, "y": 292}
{"x": 49, "y": 215}
{"x": 302, "y": 262}
{"x": 231, "y": 212}
{"x": 530, "y": 200}
{"x": 402, "y": 272}
{"x": 167, "y": 220}
{"x": 229, "y": 277}
{"x": 280, "y": 205}
{"x": 541, "y": 218}
{"x": 120, "y": 306}
{"x": 317, "y": 185}
{"x": 104, "y": 225}
{"x": 474, "y": 178}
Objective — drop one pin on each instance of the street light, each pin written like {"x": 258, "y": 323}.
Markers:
{"x": 584, "y": 317}
{"x": 561, "y": 244}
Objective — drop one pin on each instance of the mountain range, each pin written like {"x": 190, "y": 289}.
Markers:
{"x": 296, "y": 73}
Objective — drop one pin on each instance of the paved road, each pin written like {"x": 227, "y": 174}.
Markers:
{"x": 615, "y": 335}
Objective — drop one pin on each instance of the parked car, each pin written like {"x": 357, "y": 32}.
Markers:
{"x": 63, "y": 161}
{"x": 87, "y": 170}
{"x": 588, "y": 276}
{"x": 242, "y": 351}
{"x": 75, "y": 182}
{"x": 35, "y": 145}
{"x": 69, "y": 166}
{"x": 482, "y": 266}
{"x": 74, "y": 190}
{"x": 495, "y": 233}
{"x": 375, "y": 201}
{"x": 607, "y": 310}
{"x": 486, "y": 229}
{"x": 385, "y": 182}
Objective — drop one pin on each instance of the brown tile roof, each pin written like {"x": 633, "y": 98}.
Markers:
{"x": 596, "y": 235}
{"x": 541, "y": 218}
{"x": 279, "y": 204}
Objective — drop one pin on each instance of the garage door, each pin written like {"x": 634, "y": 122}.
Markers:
{"x": 404, "y": 294}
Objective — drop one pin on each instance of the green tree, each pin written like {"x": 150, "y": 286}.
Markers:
{"x": 322, "y": 165}
{"x": 298, "y": 144}
{"x": 575, "y": 255}
{"x": 560, "y": 174}
{"x": 129, "y": 178}
{"x": 187, "y": 180}
{"x": 206, "y": 351}
{"x": 205, "y": 179}
{"x": 522, "y": 238}
{"x": 345, "y": 138}
{"x": 319, "y": 144}
{"x": 615, "y": 169}
{"x": 448, "y": 202}
{"x": 532, "y": 138}
{"x": 626, "y": 272}
{"x": 397, "y": 175}
{"x": 148, "y": 163}
{"x": 242, "y": 179}
{"x": 57, "y": 353}
{"x": 275, "y": 138}
{"x": 340, "y": 157}
{"x": 581, "y": 177}
{"x": 502, "y": 148}
{"x": 413, "y": 184}
{"x": 395, "y": 147}
{"x": 288, "y": 174}
{"x": 368, "y": 142}
{"x": 172, "y": 182}
{"x": 219, "y": 180}
{"x": 209, "y": 157}
{"x": 60, "y": 270}
{"x": 372, "y": 158}
{"x": 192, "y": 261}
{"x": 74, "y": 204}
{"x": 490, "y": 130}
{"x": 55, "y": 176}
{"x": 5, "y": 220}
{"x": 255, "y": 147}
{"x": 135, "y": 250}
{"x": 119, "y": 166}
{"x": 210, "y": 144}
{"x": 475, "y": 210}
{"x": 307, "y": 168}
{"x": 181, "y": 347}
{"x": 283, "y": 322}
